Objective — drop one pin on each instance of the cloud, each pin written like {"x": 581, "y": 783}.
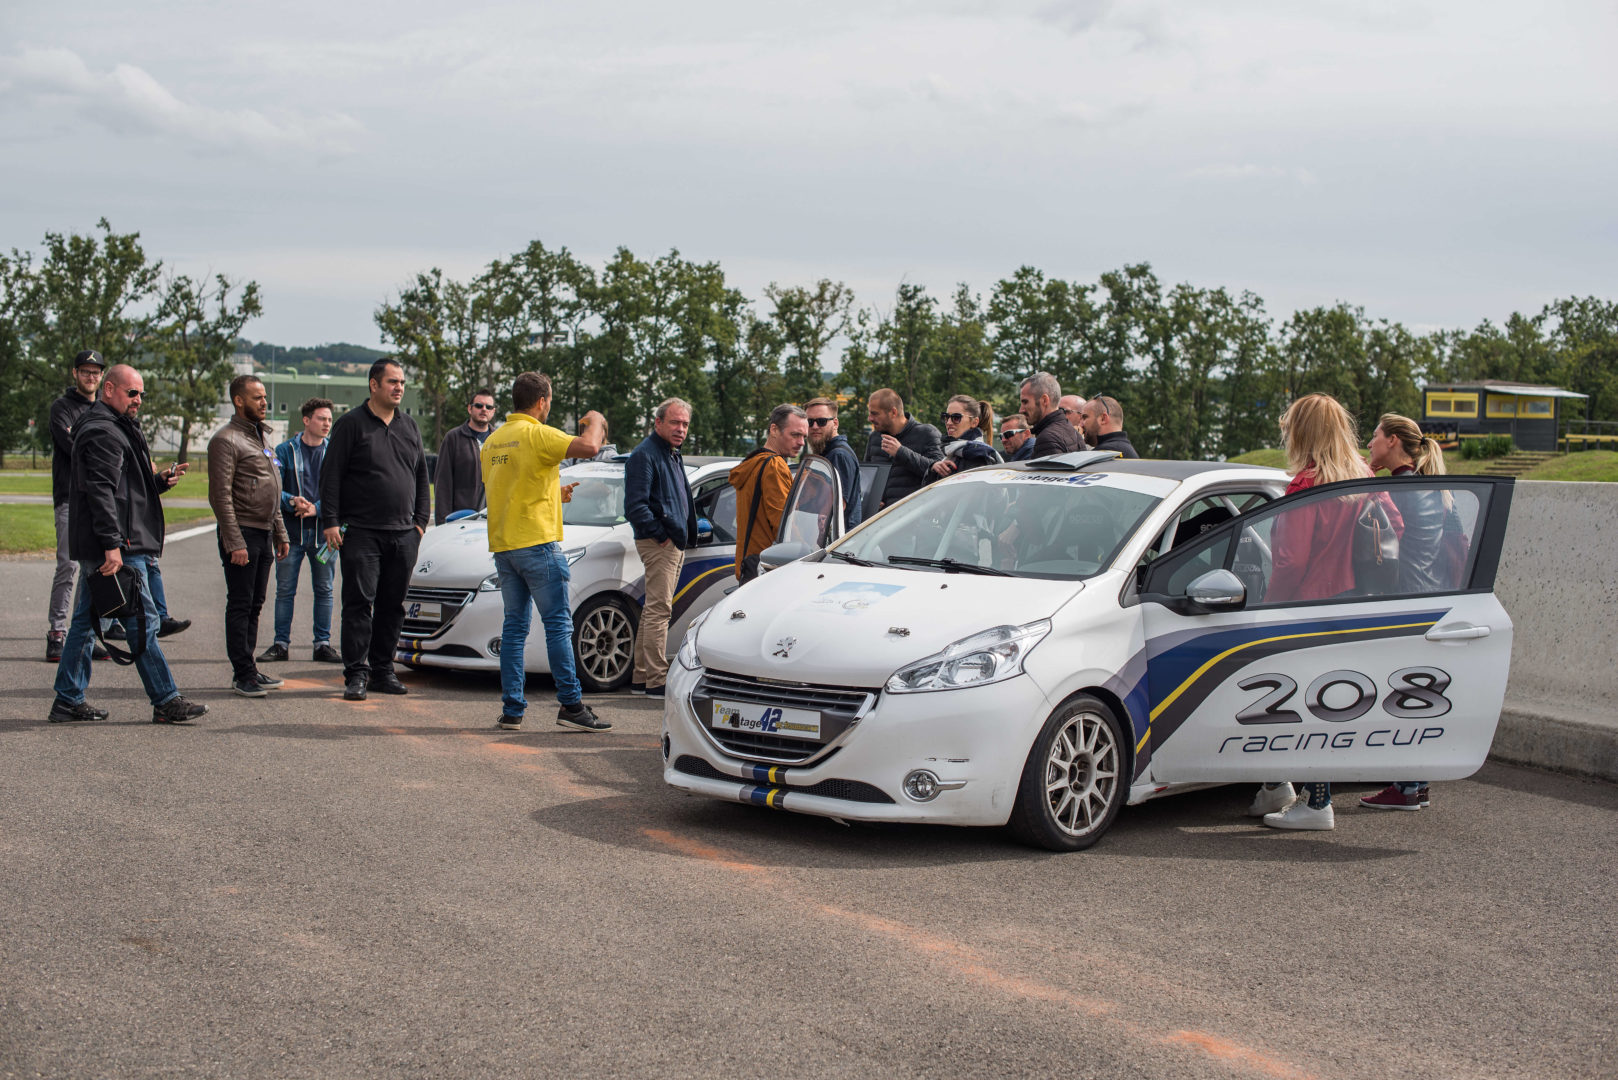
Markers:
{"x": 1235, "y": 172}
{"x": 127, "y": 100}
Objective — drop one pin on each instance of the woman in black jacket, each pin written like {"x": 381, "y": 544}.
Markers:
{"x": 965, "y": 420}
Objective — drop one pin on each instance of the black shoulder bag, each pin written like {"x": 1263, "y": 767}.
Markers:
{"x": 117, "y": 596}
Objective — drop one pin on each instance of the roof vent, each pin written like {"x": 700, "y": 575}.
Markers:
{"x": 1073, "y": 462}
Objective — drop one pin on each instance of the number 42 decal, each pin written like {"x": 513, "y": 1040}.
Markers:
{"x": 1415, "y": 693}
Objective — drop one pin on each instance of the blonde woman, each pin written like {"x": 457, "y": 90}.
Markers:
{"x": 1312, "y": 549}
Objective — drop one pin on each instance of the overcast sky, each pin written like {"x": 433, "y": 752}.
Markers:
{"x": 1437, "y": 161}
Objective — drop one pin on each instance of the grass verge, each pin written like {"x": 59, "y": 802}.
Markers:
{"x": 193, "y": 485}
{"x": 33, "y": 528}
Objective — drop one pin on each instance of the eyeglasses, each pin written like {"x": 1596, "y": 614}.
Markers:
{"x": 1070, "y": 412}
{"x": 480, "y": 405}
{"x": 954, "y": 417}
{"x": 1011, "y": 434}
{"x": 130, "y": 393}
{"x": 820, "y": 421}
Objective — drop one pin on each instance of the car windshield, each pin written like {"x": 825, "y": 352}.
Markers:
{"x": 1027, "y": 524}
{"x": 599, "y": 497}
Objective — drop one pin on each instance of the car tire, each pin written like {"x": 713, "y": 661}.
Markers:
{"x": 604, "y": 643}
{"x": 1073, "y": 783}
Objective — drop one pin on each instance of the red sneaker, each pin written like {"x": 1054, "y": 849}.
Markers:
{"x": 1391, "y": 798}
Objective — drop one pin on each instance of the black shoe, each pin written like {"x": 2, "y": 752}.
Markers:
{"x": 170, "y": 627}
{"x": 637, "y": 688}
{"x": 53, "y": 647}
{"x": 388, "y": 683}
{"x": 178, "y": 711}
{"x": 115, "y": 632}
{"x": 325, "y": 654}
{"x": 268, "y": 682}
{"x": 580, "y": 717}
{"x": 654, "y": 692}
{"x": 248, "y": 687}
{"x": 62, "y": 713}
{"x": 274, "y": 653}
{"x": 510, "y": 723}
{"x": 354, "y": 688}
{"x": 100, "y": 652}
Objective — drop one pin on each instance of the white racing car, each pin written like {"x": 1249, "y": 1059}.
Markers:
{"x": 1039, "y": 644}
{"x": 454, "y": 611}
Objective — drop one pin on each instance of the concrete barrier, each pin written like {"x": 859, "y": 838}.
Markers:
{"x": 1558, "y": 580}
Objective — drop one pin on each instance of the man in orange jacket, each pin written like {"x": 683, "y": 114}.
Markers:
{"x": 762, "y": 482}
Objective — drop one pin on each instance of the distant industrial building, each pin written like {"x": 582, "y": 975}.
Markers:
{"x": 1530, "y": 414}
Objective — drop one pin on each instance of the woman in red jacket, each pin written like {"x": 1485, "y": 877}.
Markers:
{"x": 1312, "y": 549}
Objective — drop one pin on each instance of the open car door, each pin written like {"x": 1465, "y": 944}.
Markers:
{"x": 813, "y": 515}
{"x": 1347, "y": 632}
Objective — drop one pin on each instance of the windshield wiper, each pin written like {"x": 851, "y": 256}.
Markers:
{"x": 949, "y": 566}
{"x": 846, "y": 557}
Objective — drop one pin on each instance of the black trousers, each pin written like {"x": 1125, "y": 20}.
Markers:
{"x": 376, "y": 571}
{"x": 245, "y": 588}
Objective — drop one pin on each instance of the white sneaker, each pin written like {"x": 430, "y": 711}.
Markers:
{"x": 1301, "y": 816}
{"x": 1268, "y": 800}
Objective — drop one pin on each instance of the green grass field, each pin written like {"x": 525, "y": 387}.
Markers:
{"x": 33, "y": 528}
{"x": 193, "y": 485}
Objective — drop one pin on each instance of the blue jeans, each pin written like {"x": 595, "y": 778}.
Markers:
{"x": 286, "y": 589}
{"x": 73, "y": 673}
{"x": 535, "y": 577}
{"x": 154, "y": 578}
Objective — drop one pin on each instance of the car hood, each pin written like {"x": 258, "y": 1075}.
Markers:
{"x": 457, "y": 553}
{"x": 831, "y": 623}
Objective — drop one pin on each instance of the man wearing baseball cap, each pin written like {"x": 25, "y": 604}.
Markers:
{"x": 65, "y": 412}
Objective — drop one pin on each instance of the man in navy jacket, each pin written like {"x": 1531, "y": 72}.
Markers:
{"x": 301, "y": 458}
{"x": 663, "y": 516}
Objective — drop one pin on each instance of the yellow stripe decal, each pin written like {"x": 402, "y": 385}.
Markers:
{"x": 700, "y": 577}
{"x": 775, "y": 774}
{"x": 773, "y": 799}
{"x": 1263, "y": 641}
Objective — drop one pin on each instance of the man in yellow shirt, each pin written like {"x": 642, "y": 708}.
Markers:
{"x": 522, "y": 480}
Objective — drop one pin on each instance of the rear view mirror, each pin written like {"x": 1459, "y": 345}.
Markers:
{"x": 704, "y": 530}
{"x": 1217, "y": 590}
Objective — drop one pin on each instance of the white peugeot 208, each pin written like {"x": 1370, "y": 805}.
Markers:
{"x": 1038, "y": 645}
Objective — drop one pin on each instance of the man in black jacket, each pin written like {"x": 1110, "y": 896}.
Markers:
{"x": 1053, "y": 435}
{"x": 458, "y": 483}
{"x": 663, "y": 517}
{"x": 1103, "y": 421}
{"x": 374, "y": 482}
{"x": 65, "y": 412}
{"x": 115, "y": 519}
{"x": 895, "y": 437}
{"x": 825, "y": 440}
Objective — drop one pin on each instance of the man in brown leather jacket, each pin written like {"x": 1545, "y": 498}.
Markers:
{"x": 244, "y": 489}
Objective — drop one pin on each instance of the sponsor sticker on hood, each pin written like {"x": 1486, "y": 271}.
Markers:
{"x": 853, "y": 597}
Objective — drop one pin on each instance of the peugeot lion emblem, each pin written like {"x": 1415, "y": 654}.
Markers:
{"x": 784, "y": 647}
{"x": 424, "y": 567}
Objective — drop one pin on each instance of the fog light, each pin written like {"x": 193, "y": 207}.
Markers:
{"x": 921, "y": 785}
{"x": 494, "y": 646}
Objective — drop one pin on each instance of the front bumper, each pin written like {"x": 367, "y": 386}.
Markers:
{"x": 975, "y": 741}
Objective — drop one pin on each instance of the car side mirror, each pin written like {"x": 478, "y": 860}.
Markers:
{"x": 458, "y": 515}
{"x": 778, "y": 555}
{"x": 704, "y": 531}
{"x": 1217, "y": 590}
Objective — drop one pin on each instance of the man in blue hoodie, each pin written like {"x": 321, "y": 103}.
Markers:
{"x": 301, "y": 459}
{"x": 658, "y": 503}
{"x": 829, "y": 443}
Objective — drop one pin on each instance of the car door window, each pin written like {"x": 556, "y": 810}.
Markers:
{"x": 1360, "y": 540}
{"x": 716, "y": 501}
{"x": 813, "y": 513}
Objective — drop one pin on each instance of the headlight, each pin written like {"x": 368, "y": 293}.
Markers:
{"x": 573, "y": 555}
{"x": 490, "y": 583}
{"x": 687, "y": 656}
{"x": 988, "y": 657}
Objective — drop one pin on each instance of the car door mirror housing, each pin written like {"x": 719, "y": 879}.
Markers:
{"x": 1217, "y": 590}
{"x": 778, "y": 555}
{"x": 704, "y": 531}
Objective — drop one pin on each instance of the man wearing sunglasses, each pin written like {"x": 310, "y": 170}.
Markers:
{"x": 458, "y": 484}
{"x": 115, "y": 520}
{"x": 1016, "y": 438}
{"x": 825, "y": 440}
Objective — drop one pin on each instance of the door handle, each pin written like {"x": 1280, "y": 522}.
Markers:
{"x": 1457, "y": 632}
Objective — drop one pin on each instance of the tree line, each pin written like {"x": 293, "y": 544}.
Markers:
{"x": 102, "y": 291}
{"x": 1201, "y": 372}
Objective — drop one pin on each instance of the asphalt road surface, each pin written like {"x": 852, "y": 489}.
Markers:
{"x": 303, "y": 887}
